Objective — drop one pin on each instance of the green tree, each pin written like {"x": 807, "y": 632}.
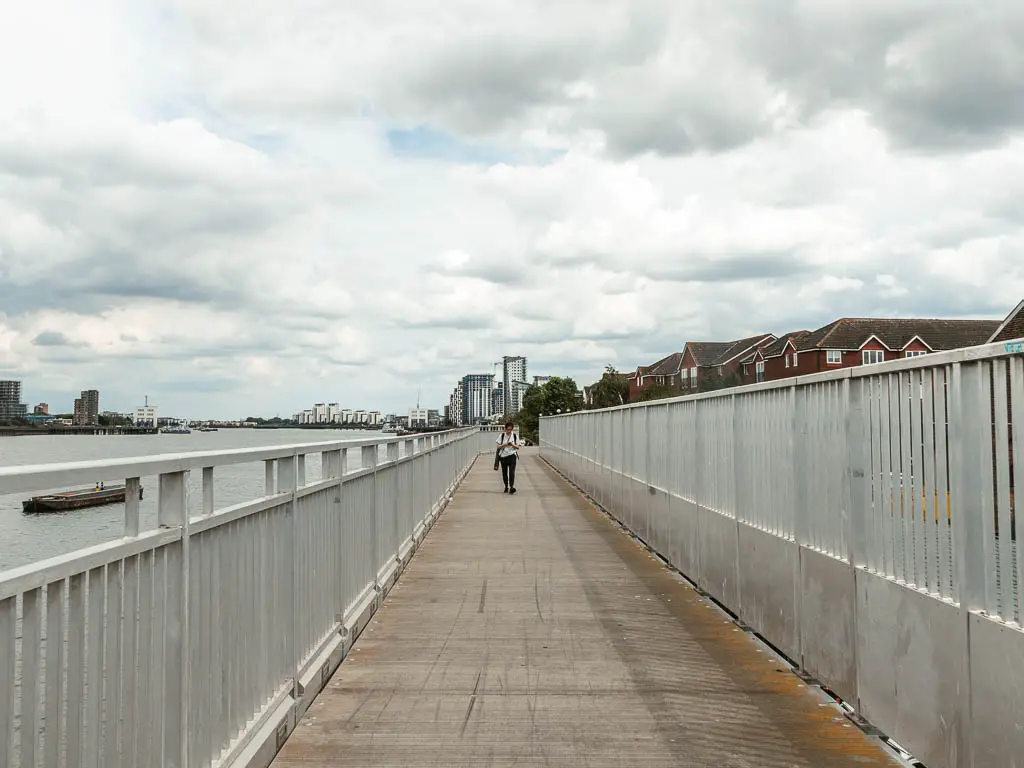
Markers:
{"x": 610, "y": 390}
{"x": 658, "y": 392}
{"x": 557, "y": 394}
{"x": 713, "y": 381}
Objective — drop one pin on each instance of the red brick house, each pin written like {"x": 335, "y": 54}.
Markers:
{"x": 773, "y": 361}
{"x": 664, "y": 372}
{"x": 720, "y": 360}
{"x": 852, "y": 341}
{"x": 1012, "y": 328}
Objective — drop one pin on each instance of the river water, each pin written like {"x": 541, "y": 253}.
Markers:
{"x": 28, "y": 538}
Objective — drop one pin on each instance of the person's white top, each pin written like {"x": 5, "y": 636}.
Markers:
{"x": 508, "y": 444}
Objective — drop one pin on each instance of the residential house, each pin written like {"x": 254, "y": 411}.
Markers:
{"x": 1012, "y": 328}
{"x": 852, "y": 341}
{"x": 772, "y": 361}
{"x": 718, "y": 361}
{"x": 665, "y": 373}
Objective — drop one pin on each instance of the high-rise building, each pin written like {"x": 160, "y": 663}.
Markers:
{"x": 87, "y": 408}
{"x": 498, "y": 399}
{"x": 476, "y": 398}
{"x": 540, "y": 381}
{"x": 455, "y": 406}
{"x": 11, "y": 406}
{"x": 43, "y": 409}
{"x": 514, "y": 372}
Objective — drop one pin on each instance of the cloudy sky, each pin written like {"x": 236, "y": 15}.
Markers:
{"x": 242, "y": 207}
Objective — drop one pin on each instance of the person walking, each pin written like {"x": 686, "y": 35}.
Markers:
{"x": 506, "y": 456}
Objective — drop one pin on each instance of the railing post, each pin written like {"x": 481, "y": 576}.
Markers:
{"x": 172, "y": 512}
{"x": 131, "y": 507}
{"x": 208, "y": 498}
{"x": 268, "y": 477}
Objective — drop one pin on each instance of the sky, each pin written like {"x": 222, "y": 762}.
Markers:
{"x": 241, "y": 208}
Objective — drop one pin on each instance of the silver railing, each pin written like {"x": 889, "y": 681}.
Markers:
{"x": 861, "y": 520}
{"x": 202, "y": 641}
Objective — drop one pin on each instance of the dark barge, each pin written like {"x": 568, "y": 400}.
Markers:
{"x": 69, "y": 500}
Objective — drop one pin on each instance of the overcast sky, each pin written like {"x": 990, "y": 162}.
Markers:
{"x": 244, "y": 207}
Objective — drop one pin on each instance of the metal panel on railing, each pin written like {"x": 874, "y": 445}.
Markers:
{"x": 863, "y": 521}
{"x": 172, "y": 647}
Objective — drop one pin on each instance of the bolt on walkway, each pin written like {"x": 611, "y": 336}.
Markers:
{"x": 530, "y": 630}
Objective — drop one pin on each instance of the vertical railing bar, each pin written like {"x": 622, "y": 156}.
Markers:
{"x": 1001, "y": 429}
{"x": 984, "y": 418}
{"x": 76, "y": 668}
{"x": 1016, "y": 364}
{"x": 885, "y": 452}
{"x": 929, "y": 485}
{"x": 91, "y": 757}
{"x": 55, "y": 680}
{"x": 31, "y": 626}
{"x": 906, "y": 491}
{"x": 129, "y": 644}
{"x": 917, "y": 479}
{"x": 8, "y": 639}
{"x": 113, "y": 664}
{"x": 944, "y": 500}
{"x": 145, "y": 708}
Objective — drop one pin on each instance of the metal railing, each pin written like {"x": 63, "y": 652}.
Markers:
{"x": 201, "y": 642}
{"x": 862, "y": 521}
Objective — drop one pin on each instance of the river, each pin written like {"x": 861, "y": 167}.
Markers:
{"x": 28, "y": 538}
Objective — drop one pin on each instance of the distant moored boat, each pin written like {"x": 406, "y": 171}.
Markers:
{"x": 68, "y": 500}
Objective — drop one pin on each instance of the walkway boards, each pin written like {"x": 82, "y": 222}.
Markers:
{"x": 529, "y": 630}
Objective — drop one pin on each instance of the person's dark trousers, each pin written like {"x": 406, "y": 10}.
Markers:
{"x": 508, "y": 471}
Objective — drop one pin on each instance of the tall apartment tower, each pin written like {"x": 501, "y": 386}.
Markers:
{"x": 514, "y": 380}
{"x": 87, "y": 407}
{"x": 11, "y": 406}
{"x": 476, "y": 398}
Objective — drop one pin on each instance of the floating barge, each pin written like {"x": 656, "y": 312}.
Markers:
{"x": 69, "y": 500}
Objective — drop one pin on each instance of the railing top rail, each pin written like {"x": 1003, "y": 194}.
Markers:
{"x": 31, "y": 477}
{"x": 931, "y": 360}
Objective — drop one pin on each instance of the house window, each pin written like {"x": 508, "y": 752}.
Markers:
{"x": 787, "y": 361}
{"x": 872, "y": 356}
{"x": 795, "y": 358}
{"x": 760, "y": 371}
{"x": 834, "y": 357}
{"x": 914, "y": 353}
{"x": 693, "y": 377}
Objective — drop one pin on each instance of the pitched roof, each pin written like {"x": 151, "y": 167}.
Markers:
{"x": 706, "y": 352}
{"x": 740, "y": 347}
{"x": 777, "y": 347}
{"x": 1012, "y": 327}
{"x": 666, "y": 366}
{"x": 850, "y": 333}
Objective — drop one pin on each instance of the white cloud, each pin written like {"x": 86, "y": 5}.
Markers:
{"x": 245, "y": 207}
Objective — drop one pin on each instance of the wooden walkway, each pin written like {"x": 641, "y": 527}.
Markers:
{"x": 530, "y": 630}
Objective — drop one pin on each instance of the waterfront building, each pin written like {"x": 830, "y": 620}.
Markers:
{"x": 11, "y": 406}
{"x": 87, "y": 408}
